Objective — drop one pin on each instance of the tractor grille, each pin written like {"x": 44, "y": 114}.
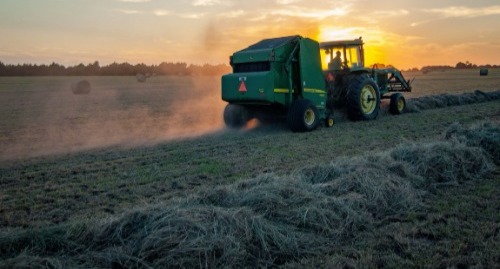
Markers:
{"x": 252, "y": 67}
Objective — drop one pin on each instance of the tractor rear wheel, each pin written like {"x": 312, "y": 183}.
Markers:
{"x": 235, "y": 116}
{"x": 363, "y": 98}
{"x": 302, "y": 116}
{"x": 398, "y": 104}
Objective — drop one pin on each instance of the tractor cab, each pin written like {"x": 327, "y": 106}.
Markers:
{"x": 342, "y": 55}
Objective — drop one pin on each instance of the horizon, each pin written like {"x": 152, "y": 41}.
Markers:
{"x": 472, "y": 65}
{"x": 404, "y": 33}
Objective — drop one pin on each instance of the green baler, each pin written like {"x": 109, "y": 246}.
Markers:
{"x": 284, "y": 77}
{"x": 280, "y": 76}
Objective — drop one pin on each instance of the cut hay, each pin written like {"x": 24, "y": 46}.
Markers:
{"x": 269, "y": 220}
{"x": 81, "y": 87}
{"x": 446, "y": 100}
{"x": 484, "y": 135}
{"x": 483, "y": 72}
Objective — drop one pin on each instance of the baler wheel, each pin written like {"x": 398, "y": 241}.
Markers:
{"x": 235, "y": 116}
{"x": 302, "y": 116}
{"x": 329, "y": 121}
{"x": 397, "y": 105}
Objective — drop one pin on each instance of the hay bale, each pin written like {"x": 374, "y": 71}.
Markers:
{"x": 81, "y": 87}
{"x": 483, "y": 72}
{"x": 141, "y": 77}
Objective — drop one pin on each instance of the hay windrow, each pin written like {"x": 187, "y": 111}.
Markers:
{"x": 269, "y": 220}
{"x": 445, "y": 100}
{"x": 483, "y": 135}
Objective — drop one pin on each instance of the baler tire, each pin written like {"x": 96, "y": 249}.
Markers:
{"x": 235, "y": 116}
{"x": 363, "y": 98}
{"x": 397, "y": 105}
{"x": 303, "y": 116}
{"x": 329, "y": 121}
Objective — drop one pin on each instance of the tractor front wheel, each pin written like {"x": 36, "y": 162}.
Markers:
{"x": 235, "y": 116}
{"x": 363, "y": 98}
{"x": 302, "y": 116}
{"x": 398, "y": 104}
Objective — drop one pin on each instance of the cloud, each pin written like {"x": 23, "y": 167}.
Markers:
{"x": 129, "y": 11}
{"x": 134, "y": 1}
{"x": 192, "y": 15}
{"x": 310, "y": 13}
{"x": 286, "y": 2}
{"x": 161, "y": 12}
{"x": 232, "y": 14}
{"x": 258, "y": 18}
{"x": 209, "y": 2}
{"x": 392, "y": 13}
{"x": 467, "y": 12}
{"x": 418, "y": 23}
{"x": 338, "y": 33}
{"x": 459, "y": 12}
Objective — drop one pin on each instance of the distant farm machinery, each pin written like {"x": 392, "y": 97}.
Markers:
{"x": 286, "y": 76}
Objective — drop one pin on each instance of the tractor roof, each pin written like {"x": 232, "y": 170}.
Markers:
{"x": 341, "y": 43}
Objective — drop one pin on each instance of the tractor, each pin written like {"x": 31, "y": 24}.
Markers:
{"x": 302, "y": 80}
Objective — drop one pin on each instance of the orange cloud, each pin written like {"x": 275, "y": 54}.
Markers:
{"x": 461, "y": 11}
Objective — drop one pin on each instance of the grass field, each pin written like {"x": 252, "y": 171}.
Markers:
{"x": 42, "y": 116}
{"x": 129, "y": 155}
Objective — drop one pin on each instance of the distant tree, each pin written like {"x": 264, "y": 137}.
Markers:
{"x": 55, "y": 69}
{"x": 93, "y": 68}
{"x": 460, "y": 65}
{"x": 435, "y": 68}
{"x": 466, "y": 65}
{"x": 378, "y": 65}
{"x": 172, "y": 69}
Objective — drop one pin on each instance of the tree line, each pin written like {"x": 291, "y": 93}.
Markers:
{"x": 459, "y": 65}
{"x": 183, "y": 69}
{"x": 114, "y": 69}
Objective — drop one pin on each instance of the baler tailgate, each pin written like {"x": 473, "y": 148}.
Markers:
{"x": 248, "y": 87}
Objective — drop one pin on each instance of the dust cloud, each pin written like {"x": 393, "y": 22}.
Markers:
{"x": 47, "y": 118}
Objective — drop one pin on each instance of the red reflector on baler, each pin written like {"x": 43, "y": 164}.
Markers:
{"x": 243, "y": 87}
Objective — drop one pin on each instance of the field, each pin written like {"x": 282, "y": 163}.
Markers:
{"x": 140, "y": 175}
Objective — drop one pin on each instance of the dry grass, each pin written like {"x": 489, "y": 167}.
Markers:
{"x": 483, "y": 135}
{"x": 267, "y": 221}
{"x": 361, "y": 210}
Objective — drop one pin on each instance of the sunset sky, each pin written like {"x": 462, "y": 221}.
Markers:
{"x": 405, "y": 33}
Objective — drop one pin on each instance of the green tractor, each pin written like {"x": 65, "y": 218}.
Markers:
{"x": 286, "y": 77}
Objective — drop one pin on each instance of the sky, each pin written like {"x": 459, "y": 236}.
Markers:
{"x": 404, "y": 33}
